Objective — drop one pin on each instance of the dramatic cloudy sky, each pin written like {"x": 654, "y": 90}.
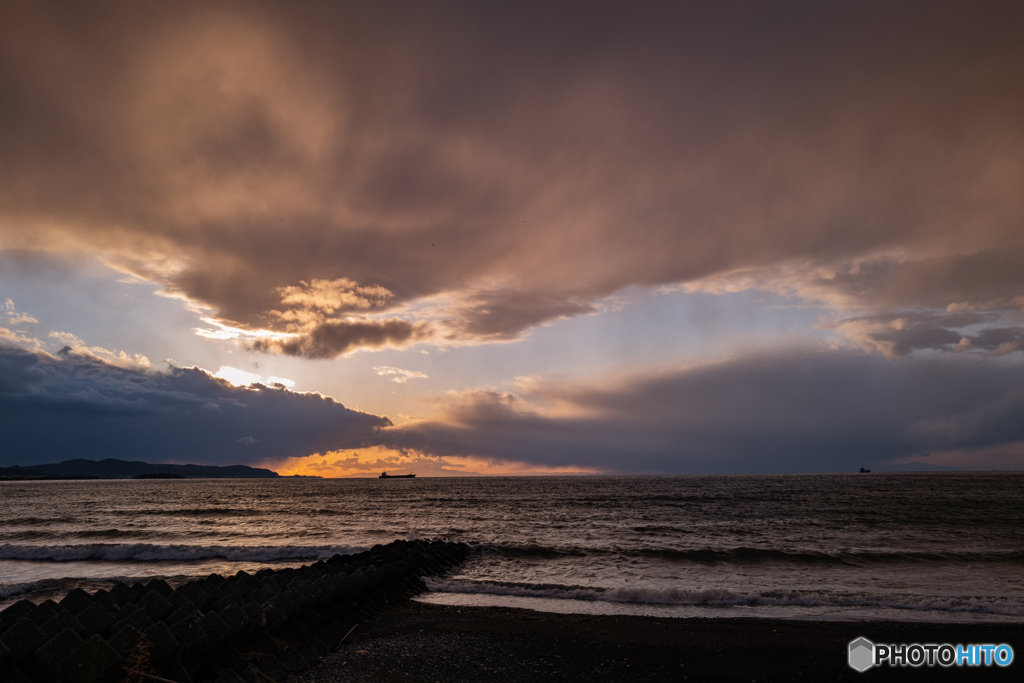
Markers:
{"x": 454, "y": 237}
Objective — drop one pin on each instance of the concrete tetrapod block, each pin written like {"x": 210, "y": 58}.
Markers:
{"x": 50, "y": 657}
{"x": 104, "y": 598}
{"x": 293, "y": 662}
{"x": 277, "y": 610}
{"x": 255, "y": 612}
{"x": 327, "y": 609}
{"x": 44, "y": 612}
{"x": 138, "y": 619}
{"x": 228, "y": 658}
{"x": 191, "y": 638}
{"x": 314, "y": 605}
{"x": 127, "y": 641}
{"x": 93, "y": 662}
{"x": 23, "y": 638}
{"x": 76, "y": 601}
{"x": 20, "y": 609}
{"x": 155, "y": 605}
{"x": 310, "y": 649}
{"x": 236, "y": 620}
{"x": 291, "y": 631}
{"x": 230, "y": 598}
{"x": 246, "y": 584}
{"x": 95, "y": 620}
{"x": 160, "y": 586}
{"x": 124, "y": 611}
{"x": 61, "y": 621}
{"x": 194, "y": 594}
{"x": 186, "y": 611}
{"x": 309, "y": 618}
{"x": 229, "y": 676}
{"x": 215, "y": 628}
{"x": 177, "y": 600}
{"x": 123, "y": 594}
{"x": 271, "y": 666}
{"x": 260, "y": 596}
{"x": 175, "y": 671}
{"x": 162, "y": 644}
{"x": 300, "y": 596}
{"x": 17, "y": 676}
{"x": 214, "y": 581}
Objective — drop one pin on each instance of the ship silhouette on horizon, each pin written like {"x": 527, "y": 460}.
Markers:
{"x": 385, "y": 475}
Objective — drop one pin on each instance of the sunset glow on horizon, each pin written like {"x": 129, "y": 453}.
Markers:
{"x": 370, "y": 462}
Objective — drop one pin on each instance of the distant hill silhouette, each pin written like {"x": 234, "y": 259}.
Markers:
{"x": 123, "y": 469}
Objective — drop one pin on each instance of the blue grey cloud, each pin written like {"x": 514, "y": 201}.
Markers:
{"x": 57, "y": 408}
{"x": 795, "y": 411}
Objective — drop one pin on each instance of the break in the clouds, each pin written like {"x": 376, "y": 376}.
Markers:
{"x": 370, "y": 175}
{"x": 808, "y": 410}
{"x": 54, "y": 408}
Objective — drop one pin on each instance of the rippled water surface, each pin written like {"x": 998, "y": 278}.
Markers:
{"x": 900, "y": 546}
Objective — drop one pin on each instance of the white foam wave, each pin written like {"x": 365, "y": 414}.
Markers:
{"x": 723, "y": 597}
{"x": 11, "y": 590}
{"x": 148, "y": 552}
{"x": 58, "y": 587}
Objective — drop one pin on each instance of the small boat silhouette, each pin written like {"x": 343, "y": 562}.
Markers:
{"x": 862, "y": 470}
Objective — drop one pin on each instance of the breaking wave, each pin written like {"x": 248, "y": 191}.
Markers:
{"x": 58, "y": 587}
{"x": 765, "y": 555}
{"x": 148, "y": 552}
{"x": 721, "y": 597}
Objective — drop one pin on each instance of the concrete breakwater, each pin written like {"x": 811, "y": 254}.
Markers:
{"x": 243, "y": 628}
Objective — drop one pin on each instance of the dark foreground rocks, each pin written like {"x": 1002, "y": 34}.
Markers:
{"x": 416, "y": 642}
{"x": 240, "y": 629}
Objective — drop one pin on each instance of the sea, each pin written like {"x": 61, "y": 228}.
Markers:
{"x": 935, "y": 547}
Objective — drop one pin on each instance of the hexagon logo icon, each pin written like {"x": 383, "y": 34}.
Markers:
{"x": 861, "y": 654}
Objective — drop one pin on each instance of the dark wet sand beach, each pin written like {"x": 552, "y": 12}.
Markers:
{"x": 419, "y": 642}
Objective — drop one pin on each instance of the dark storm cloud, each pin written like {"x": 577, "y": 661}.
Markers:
{"x": 503, "y": 315}
{"x": 989, "y": 279}
{"x": 54, "y": 409}
{"x": 992, "y": 423}
{"x": 798, "y": 411}
{"x": 913, "y": 302}
{"x": 558, "y": 150}
{"x": 333, "y": 338}
{"x": 995, "y": 339}
{"x": 897, "y": 334}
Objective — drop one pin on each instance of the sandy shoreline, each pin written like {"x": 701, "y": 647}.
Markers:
{"x": 420, "y": 642}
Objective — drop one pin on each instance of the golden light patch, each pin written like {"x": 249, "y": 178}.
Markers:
{"x": 370, "y": 462}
